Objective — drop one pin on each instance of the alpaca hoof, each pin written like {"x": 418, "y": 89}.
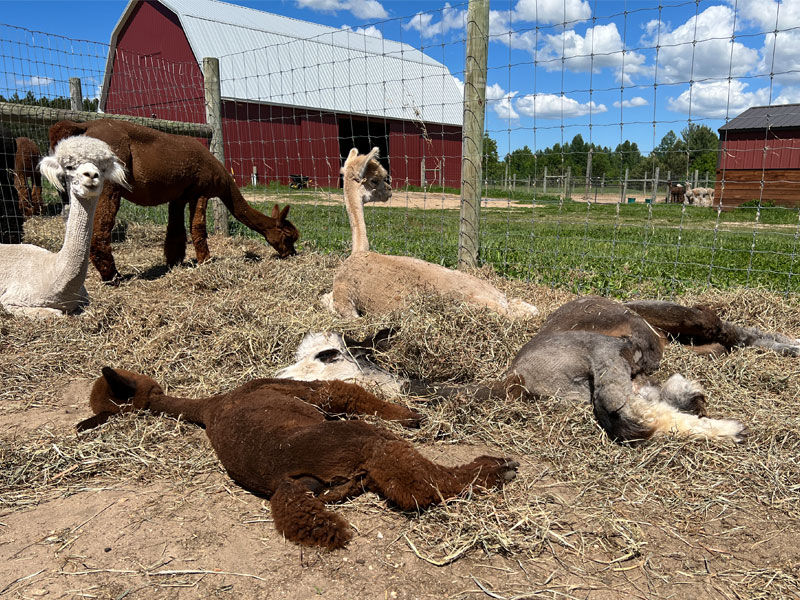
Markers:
{"x": 510, "y": 473}
{"x": 499, "y": 472}
{"x": 742, "y": 435}
{"x": 414, "y": 421}
{"x": 696, "y": 405}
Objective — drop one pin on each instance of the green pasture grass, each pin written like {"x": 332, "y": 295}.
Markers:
{"x": 618, "y": 250}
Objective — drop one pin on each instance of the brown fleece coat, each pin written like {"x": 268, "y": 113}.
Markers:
{"x": 27, "y": 178}
{"x": 282, "y": 438}
{"x": 176, "y": 170}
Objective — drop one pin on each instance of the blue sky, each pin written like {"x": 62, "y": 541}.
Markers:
{"x": 608, "y": 70}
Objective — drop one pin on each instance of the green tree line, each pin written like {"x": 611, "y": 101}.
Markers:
{"x": 679, "y": 156}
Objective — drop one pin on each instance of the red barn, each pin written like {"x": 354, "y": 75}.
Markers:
{"x": 760, "y": 157}
{"x": 296, "y": 95}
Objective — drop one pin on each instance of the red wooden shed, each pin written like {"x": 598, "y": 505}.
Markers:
{"x": 760, "y": 157}
{"x": 296, "y": 95}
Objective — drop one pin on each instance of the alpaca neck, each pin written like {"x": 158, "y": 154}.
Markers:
{"x": 72, "y": 261}
{"x": 189, "y": 409}
{"x": 355, "y": 212}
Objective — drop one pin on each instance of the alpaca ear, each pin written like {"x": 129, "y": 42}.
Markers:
{"x": 121, "y": 387}
{"x": 117, "y": 175}
{"x": 373, "y": 154}
{"x": 53, "y": 171}
{"x": 276, "y": 212}
{"x": 284, "y": 212}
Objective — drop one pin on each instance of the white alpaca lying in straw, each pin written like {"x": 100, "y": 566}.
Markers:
{"x": 369, "y": 282}
{"x": 37, "y": 283}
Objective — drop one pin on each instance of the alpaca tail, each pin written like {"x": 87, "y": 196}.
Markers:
{"x": 119, "y": 391}
{"x": 303, "y": 518}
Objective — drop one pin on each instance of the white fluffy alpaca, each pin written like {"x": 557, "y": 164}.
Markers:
{"x": 37, "y": 283}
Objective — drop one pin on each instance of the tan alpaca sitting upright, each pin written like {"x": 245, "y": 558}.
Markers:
{"x": 369, "y": 282}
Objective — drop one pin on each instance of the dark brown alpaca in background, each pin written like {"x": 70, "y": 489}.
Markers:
{"x": 280, "y": 438}
{"x": 27, "y": 178}
{"x": 173, "y": 169}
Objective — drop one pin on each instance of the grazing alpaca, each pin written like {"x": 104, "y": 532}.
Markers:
{"x": 330, "y": 355}
{"x": 30, "y": 193}
{"x": 281, "y": 438}
{"x": 175, "y": 170}
{"x": 368, "y": 282}
{"x": 11, "y": 219}
{"x": 676, "y": 193}
{"x": 36, "y": 282}
{"x": 599, "y": 351}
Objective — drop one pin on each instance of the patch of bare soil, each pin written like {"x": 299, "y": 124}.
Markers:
{"x": 140, "y": 507}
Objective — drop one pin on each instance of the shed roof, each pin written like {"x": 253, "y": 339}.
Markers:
{"x": 274, "y": 59}
{"x": 761, "y": 117}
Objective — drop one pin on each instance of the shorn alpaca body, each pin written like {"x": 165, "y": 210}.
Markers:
{"x": 27, "y": 178}
{"x": 699, "y": 196}
{"x": 174, "y": 170}
{"x": 369, "y": 282}
{"x": 36, "y": 282}
{"x": 600, "y": 351}
{"x": 281, "y": 438}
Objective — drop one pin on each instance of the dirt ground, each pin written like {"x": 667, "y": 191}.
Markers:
{"x": 140, "y": 508}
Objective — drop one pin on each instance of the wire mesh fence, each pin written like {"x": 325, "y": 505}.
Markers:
{"x": 621, "y": 153}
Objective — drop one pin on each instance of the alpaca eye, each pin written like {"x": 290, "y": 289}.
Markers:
{"x": 374, "y": 182}
{"x": 327, "y": 356}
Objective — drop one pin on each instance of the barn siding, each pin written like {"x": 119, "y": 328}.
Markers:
{"x": 781, "y": 186}
{"x": 155, "y": 74}
{"x": 756, "y": 149}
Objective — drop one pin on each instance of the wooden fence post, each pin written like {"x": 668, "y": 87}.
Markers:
{"x": 624, "y": 191}
{"x": 544, "y": 182}
{"x": 588, "y": 174}
{"x": 213, "y": 99}
{"x": 655, "y": 188}
{"x": 75, "y": 93}
{"x": 567, "y": 182}
{"x": 472, "y": 141}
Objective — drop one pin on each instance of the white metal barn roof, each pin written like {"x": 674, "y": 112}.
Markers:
{"x": 270, "y": 58}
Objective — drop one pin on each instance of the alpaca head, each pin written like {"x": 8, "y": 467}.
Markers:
{"x": 366, "y": 172}
{"x": 117, "y": 387}
{"x": 81, "y": 165}
{"x": 330, "y": 355}
{"x": 283, "y": 235}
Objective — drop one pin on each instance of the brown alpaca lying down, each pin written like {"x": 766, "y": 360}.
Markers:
{"x": 281, "y": 438}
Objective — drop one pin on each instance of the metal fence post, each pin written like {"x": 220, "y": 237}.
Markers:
{"x": 475, "y": 66}
{"x": 214, "y": 119}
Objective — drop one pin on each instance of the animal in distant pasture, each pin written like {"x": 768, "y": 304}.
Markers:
{"x": 37, "y": 283}
{"x": 27, "y": 178}
{"x": 368, "y": 282}
{"x": 12, "y": 220}
{"x": 282, "y": 439}
{"x": 676, "y": 193}
{"x": 700, "y": 196}
{"x": 175, "y": 170}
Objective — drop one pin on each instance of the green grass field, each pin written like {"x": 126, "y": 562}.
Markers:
{"x": 619, "y": 250}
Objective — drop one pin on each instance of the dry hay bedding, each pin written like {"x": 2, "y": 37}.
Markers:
{"x": 586, "y": 517}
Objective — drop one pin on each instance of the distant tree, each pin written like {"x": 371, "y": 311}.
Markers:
{"x": 671, "y": 156}
{"x": 492, "y": 169}
{"x": 522, "y": 163}
{"x": 703, "y": 147}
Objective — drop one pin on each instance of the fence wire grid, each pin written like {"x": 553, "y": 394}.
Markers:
{"x": 627, "y": 148}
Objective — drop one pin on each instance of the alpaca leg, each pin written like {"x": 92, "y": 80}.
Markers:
{"x": 403, "y": 476}
{"x": 347, "y": 398}
{"x": 700, "y": 325}
{"x": 36, "y": 196}
{"x": 197, "y": 213}
{"x": 104, "y": 217}
{"x": 25, "y": 206}
{"x": 665, "y": 419}
{"x": 303, "y": 519}
{"x": 175, "y": 242}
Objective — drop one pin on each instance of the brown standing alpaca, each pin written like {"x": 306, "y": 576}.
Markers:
{"x": 281, "y": 438}
{"x": 30, "y": 193}
{"x": 175, "y": 170}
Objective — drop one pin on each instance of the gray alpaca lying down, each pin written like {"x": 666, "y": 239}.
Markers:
{"x": 590, "y": 350}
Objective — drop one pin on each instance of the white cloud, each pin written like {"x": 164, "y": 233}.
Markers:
{"x": 599, "y": 47}
{"x": 779, "y": 56}
{"x": 35, "y": 81}
{"x": 552, "y": 106}
{"x": 459, "y": 83}
{"x": 370, "y": 30}
{"x": 765, "y": 14}
{"x": 362, "y": 9}
{"x": 632, "y": 102}
{"x": 501, "y": 30}
{"x": 700, "y": 48}
{"x": 449, "y": 19}
{"x": 718, "y": 99}
{"x": 500, "y": 102}
{"x": 550, "y": 12}
{"x": 788, "y": 95}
